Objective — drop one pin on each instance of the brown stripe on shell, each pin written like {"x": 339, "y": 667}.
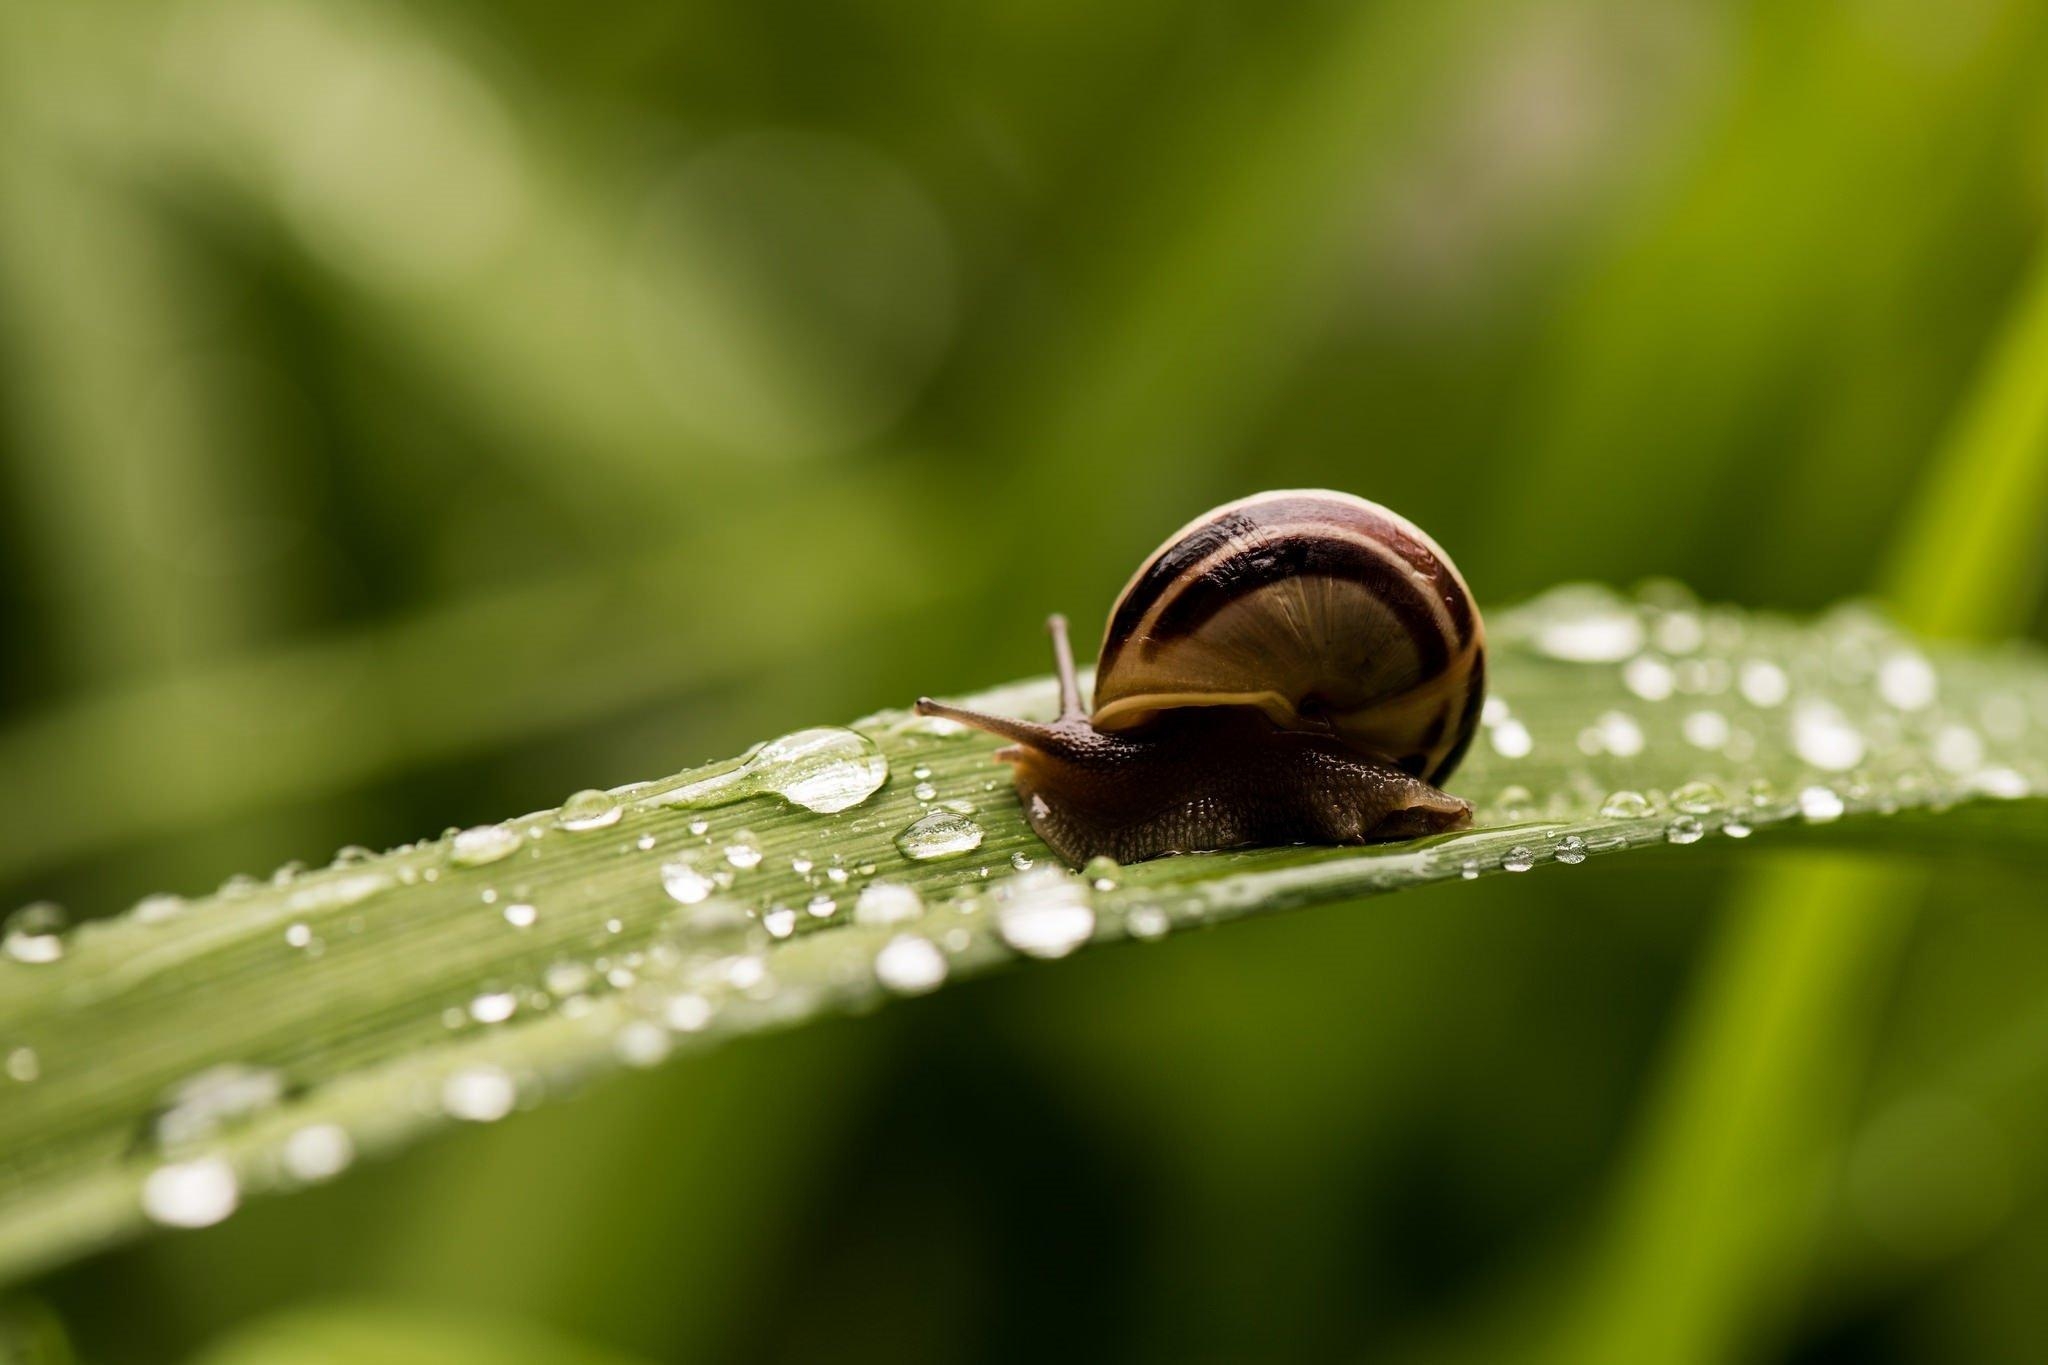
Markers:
{"x": 1316, "y": 554}
{"x": 1165, "y": 569}
{"x": 1358, "y": 517}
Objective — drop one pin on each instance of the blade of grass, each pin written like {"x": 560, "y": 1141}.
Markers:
{"x": 383, "y": 997}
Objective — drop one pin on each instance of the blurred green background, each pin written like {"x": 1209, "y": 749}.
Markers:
{"x": 412, "y": 412}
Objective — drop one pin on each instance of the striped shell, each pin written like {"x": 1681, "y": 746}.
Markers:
{"x": 1325, "y": 611}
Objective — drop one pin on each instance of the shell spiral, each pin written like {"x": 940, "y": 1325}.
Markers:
{"x": 1325, "y": 611}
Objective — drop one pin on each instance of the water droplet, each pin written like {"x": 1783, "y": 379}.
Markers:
{"x": 939, "y": 834}
{"x": 685, "y": 883}
{"x": 317, "y": 1152}
{"x": 780, "y": 922}
{"x": 1684, "y": 829}
{"x": 299, "y": 935}
{"x": 566, "y": 978}
{"x": 644, "y": 843}
{"x": 1649, "y": 677}
{"x": 158, "y": 909}
{"x": 909, "y": 965}
{"x": 589, "y": 809}
{"x": 1958, "y": 749}
{"x": 1517, "y": 859}
{"x": 1587, "y": 626}
{"x": 34, "y": 934}
{"x": 1627, "y": 805}
{"x": 202, "y": 1105}
{"x": 191, "y": 1194}
{"x": 1613, "y": 732}
{"x": 826, "y": 769}
{"x": 1101, "y": 872}
{"x": 1679, "y": 632}
{"x": 1737, "y": 825}
{"x": 1706, "y": 729}
{"x": 493, "y": 1007}
{"x": 478, "y": 1094}
{"x": 1511, "y": 739}
{"x": 921, "y": 772}
{"x": 1762, "y": 683}
{"x": 521, "y": 915}
{"x": 801, "y": 865}
{"x": 1698, "y": 798}
{"x": 820, "y": 906}
{"x": 2003, "y": 784}
{"x": 1907, "y": 681}
{"x": 641, "y": 1043}
{"x": 1147, "y": 922}
{"x": 1823, "y": 736}
{"x": 1469, "y": 869}
{"x": 1571, "y": 850}
{"x": 23, "y": 1065}
{"x": 924, "y": 791}
{"x": 1045, "y": 913}
{"x": 687, "y": 1013}
{"x": 1021, "y": 861}
{"x": 1820, "y": 804}
{"x": 742, "y": 852}
{"x": 886, "y": 903}
{"x": 483, "y": 844}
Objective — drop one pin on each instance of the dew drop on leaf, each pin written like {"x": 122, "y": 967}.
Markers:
{"x": 587, "y": 810}
{"x": 939, "y": 834}
{"x": 191, "y": 1194}
{"x": 483, "y": 844}
{"x": 910, "y": 965}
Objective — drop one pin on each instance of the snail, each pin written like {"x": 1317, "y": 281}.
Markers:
{"x": 1294, "y": 667}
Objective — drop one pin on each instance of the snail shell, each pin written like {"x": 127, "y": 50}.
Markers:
{"x": 1322, "y": 610}
{"x": 1295, "y": 667}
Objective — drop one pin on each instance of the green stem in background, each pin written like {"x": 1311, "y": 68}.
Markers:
{"x": 179, "y": 1058}
{"x": 1712, "y": 1225}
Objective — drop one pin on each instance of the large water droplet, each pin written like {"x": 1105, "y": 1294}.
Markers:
{"x": 1823, "y": 736}
{"x": 34, "y": 934}
{"x": 910, "y": 965}
{"x": 1649, "y": 677}
{"x": 685, "y": 883}
{"x": 1907, "y": 681}
{"x": 478, "y": 1094}
{"x": 588, "y": 810}
{"x": 483, "y": 844}
{"x": 1820, "y": 804}
{"x": 1045, "y": 913}
{"x": 1762, "y": 683}
{"x": 23, "y": 1065}
{"x": 1684, "y": 829}
{"x": 1627, "y": 805}
{"x": 319, "y": 1151}
{"x": 1511, "y": 739}
{"x": 826, "y": 769}
{"x": 1587, "y": 625}
{"x": 1518, "y": 859}
{"x": 1571, "y": 850}
{"x": 191, "y": 1194}
{"x": 493, "y": 1007}
{"x": 158, "y": 909}
{"x": 200, "y": 1106}
{"x": 1698, "y": 798}
{"x": 939, "y": 834}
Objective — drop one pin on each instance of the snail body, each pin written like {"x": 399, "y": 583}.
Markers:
{"x": 1294, "y": 667}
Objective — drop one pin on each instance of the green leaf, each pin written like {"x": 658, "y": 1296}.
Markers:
{"x": 171, "y": 1062}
